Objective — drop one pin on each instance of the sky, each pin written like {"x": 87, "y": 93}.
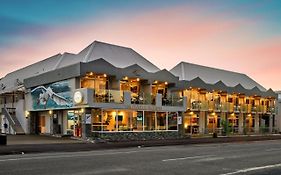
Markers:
{"x": 240, "y": 36}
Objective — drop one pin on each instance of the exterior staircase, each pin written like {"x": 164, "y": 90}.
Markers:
{"x": 10, "y": 114}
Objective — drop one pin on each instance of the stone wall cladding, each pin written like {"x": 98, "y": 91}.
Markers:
{"x": 138, "y": 136}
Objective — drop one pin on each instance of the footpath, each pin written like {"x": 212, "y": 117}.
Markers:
{"x": 41, "y": 144}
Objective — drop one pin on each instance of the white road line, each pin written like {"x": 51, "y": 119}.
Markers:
{"x": 273, "y": 149}
{"x": 209, "y": 159}
{"x": 184, "y": 158}
{"x": 103, "y": 171}
{"x": 64, "y": 156}
{"x": 253, "y": 169}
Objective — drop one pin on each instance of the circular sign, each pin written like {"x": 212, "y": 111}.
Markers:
{"x": 78, "y": 97}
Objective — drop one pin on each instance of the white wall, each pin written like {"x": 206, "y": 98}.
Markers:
{"x": 20, "y": 114}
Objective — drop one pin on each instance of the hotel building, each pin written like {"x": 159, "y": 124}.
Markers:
{"x": 113, "y": 92}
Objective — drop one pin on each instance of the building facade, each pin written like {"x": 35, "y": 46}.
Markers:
{"x": 113, "y": 92}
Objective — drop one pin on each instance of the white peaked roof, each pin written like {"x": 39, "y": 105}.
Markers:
{"x": 189, "y": 71}
{"x": 15, "y": 79}
{"x": 116, "y": 55}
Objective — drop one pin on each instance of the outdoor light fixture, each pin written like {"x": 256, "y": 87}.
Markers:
{"x": 138, "y": 79}
{"x": 155, "y": 81}
{"x": 104, "y": 75}
{"x": 50, "y": 112}
{"x": 126, "y": 78}
{"x": 166, "y": 83}
{"x": 27, "y": 113}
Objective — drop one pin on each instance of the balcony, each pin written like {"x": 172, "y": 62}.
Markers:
{"x": 218, "y": 107}
{"x": 172, "y": 101}
{"x": 254, "y": 109}
{"x": 108, "y": 96}
{"x": 195, "y": 105}
{"x": 246, "y": 108}
{"x": 224, "y": 107}
{"x": 237, "y": 108}
{"x": 270, "y": 109}
{"x": 143, "y": 98}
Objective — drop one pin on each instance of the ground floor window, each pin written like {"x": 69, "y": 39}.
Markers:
{"x": 128, "y": 120}
{"x": 191, "y": 122}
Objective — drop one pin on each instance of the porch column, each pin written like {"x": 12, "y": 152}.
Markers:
{"x": 86, "y": 123}
{"x": 202, "y": 122}
{"x": 270, "y": 123}
{"x": 241, "y": 123}
{"x": 257, "y": 123}
{"x": 51, "y": 123}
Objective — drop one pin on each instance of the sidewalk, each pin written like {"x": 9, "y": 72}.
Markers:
{"x": 40, "y": 144}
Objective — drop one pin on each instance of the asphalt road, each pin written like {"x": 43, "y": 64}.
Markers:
{"x": 259, "y": 158}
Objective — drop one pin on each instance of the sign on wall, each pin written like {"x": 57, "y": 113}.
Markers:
{"x": 88, "y": 118}
{"x": 179, "y": 120}
{"x": 55, "y": 95}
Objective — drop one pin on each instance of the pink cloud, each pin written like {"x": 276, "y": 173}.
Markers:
{"x": 165, "y": 37}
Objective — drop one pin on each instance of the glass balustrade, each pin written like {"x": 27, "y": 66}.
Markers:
{"x": 172, "y": 101}
{"x": 108, "y": 96}
{"x": 143, "y": 98}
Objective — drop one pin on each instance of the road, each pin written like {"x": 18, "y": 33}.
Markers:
{"x": 259, "y": 158}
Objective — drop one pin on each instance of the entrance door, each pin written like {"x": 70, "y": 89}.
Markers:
{"x": 41, "y": 125}
{"x": 74, "y": 125}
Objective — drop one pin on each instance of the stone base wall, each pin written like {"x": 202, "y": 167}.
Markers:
{"x": 138, "y": 136}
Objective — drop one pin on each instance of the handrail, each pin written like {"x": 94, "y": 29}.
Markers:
{"x": 10, "y": 118}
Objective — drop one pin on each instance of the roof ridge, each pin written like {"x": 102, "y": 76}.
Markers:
{"x": 86, "y": 58}
{"x": 59, "y": 61}
{"x": 220, "y": 69}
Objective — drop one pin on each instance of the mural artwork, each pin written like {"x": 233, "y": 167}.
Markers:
{"x": 55, "y": 95}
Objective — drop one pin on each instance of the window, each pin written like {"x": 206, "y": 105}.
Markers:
{"x": 172, "y": 121}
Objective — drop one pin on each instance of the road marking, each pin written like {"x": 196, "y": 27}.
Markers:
{"x": 65, "y": 156}
{"x": 273, "y": 149}
{"x": 209, "y": 159}
{"x": 184, "y": 158}
{"x": 102, "y": 171}
{"x": 253, "y": 169}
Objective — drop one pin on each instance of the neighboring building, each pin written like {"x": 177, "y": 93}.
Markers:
{"x": 113, "y": 91}
{"x": 278, "y": 111}
{"x": 220, "y": 99}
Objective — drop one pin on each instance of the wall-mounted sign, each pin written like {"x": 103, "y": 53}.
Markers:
{"x": 88, "y": 118}
{"x": 55, "y": 95}
{"x": 179, "y": 120}
{"x": 78, "y": 97}
{"x": 145, "y": 107}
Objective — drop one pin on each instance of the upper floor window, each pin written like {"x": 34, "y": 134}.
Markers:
{"x": 130, "y": 84}
{"x": 95, "y": 81}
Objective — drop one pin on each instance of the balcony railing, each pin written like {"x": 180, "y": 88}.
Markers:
{"x": 237, "y": 108}
{"x": 270, "y": 109}
{"x": 172, "y": 101}
{"x": 228, "y": 107}
{"x": 109, "y": 96}
{"x": 143, "y": 98}
{"x": 195, "y": 105}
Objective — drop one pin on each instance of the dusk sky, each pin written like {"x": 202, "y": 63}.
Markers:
{"x": 242, "y": 35}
